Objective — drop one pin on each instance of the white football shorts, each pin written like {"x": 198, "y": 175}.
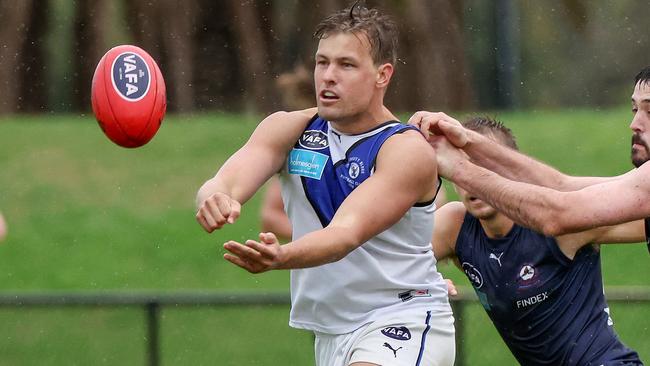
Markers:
{"x": 413, "y": 338}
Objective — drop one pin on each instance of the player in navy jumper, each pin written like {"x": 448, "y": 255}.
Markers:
{"x": 544, "y": 294}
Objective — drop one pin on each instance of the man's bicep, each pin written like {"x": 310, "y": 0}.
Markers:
{"x": 447, "y": 224}
{"x": 262, "y": 155}
{"x": 382, "y": 199}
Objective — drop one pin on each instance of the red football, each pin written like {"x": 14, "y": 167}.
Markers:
{"x": 128, "y": 96}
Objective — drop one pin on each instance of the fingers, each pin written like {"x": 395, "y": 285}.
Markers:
{"x": 427, "y": 122}
{"x": 218, "y": 210}
{"x": 255, "y": 257}
{"x": 418, "y": 120}
{"x": 451, "y": 288}
{"x": 268, "y": 238}
{"x": 235, "y": 210}
{"x": 454, "y": 132}
{"x": 243, "y": 256}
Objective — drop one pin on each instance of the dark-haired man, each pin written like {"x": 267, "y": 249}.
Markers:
{"x": 359, "y": 188}
{"x": 544, "y": 294}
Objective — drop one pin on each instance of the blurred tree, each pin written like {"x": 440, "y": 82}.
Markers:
{"x": 171, "y": 43}
{"x": 251, "y": 33}
{"x": 433, "y": 72}
{"x": 32, "y": 86}
{"x": 91, "y": 24}
{"x": 14, "y": 28}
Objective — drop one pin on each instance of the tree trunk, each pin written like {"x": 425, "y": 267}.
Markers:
{"x": 92, "y": 19}
{"x": 178, "y": 41}
{"x": 254, "y": 56}
{"x": 438, "y": 76}
{"x": 14, "y": 17}
{"x": 33, "y": 84}
{"x": 171, "y": 44}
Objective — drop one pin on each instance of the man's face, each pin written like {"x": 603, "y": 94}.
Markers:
{"x": 640, "y": 124}
{"x": 475, "y": 206}
{"x": 345, "y": 76}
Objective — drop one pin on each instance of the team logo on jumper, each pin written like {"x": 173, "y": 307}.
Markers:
{"x": 399, "y": 333}
{"x": 473, "y": 274}
{"x": 356, "y": 172}
{"x": 307, "y": 163}
{"x": 526, "y": 272}
{"x": 131, "y": 76}
{"x": 408, "y": 295}
{"x": 313, "y": 140}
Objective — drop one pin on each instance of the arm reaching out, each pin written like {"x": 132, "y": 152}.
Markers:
{"x": 497, "y": 157}
{"x": 546, "y": 210}
{"x": 219, "y": 200}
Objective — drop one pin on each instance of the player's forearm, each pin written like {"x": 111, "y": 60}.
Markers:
{"x": 530, "y": 206}
{"x": 513, "y": 164}
{"x": 209, "y": 188}
{"x": 235, "y": 179}
{"x": 319, "y": 247}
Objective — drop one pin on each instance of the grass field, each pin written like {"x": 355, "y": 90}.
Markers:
{"x": 84, "y": 214}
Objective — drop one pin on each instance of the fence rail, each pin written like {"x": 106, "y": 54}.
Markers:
{"x": 153, "y": 302}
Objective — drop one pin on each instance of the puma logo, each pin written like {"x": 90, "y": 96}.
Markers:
{"x": 498, "y": 259}
{"x": 392, "y": 349}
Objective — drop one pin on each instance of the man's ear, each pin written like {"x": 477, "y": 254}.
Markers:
{"x": 384, "y": 74}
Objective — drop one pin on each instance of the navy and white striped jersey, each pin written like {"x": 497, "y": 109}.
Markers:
{"x": 549, "y": 309}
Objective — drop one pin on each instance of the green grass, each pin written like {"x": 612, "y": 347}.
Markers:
{"x": 84, "y": 214}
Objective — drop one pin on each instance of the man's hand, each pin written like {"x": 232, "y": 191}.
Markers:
{"x": 448, "y": 157}
{"x": 216, "y": 211}
{"x": 256, "y": 257}
{"x": 435, "y": 125}
{"x": 451, "y": 288}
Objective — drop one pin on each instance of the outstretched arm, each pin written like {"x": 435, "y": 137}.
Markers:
{"x": 516, "y": 166}
{"x": 219, "y": 199}
{"x": 550, "y": 211}
{"x": 629, "y": 232}
{"x": 497, "y": 157}
{"x": 405, "y": 174}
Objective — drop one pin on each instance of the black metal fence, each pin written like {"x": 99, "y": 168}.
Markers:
{"x": 153, "y": 302}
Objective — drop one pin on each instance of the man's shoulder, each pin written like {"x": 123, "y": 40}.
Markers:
{"x": 300, "y": 116}
{"x": 450, "y": 218}
{"x": 286, "y": 123}
{"x": 410, "y": 143}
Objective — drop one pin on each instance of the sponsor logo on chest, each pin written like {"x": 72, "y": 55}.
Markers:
{"x": 536, "y": 299}
{"x": 307, "y": 163}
